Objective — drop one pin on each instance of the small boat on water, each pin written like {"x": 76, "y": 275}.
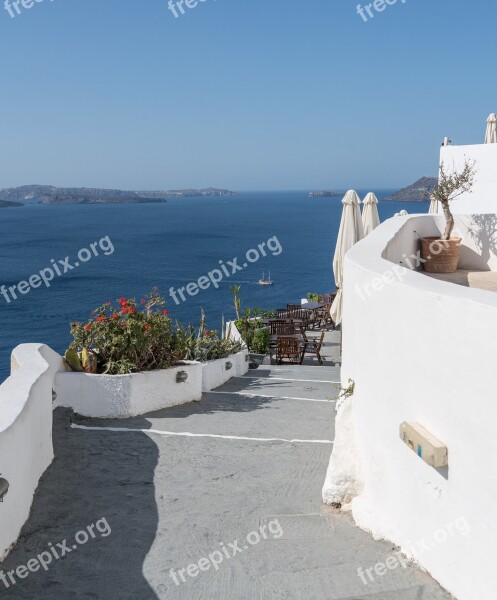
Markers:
{"x": 265, "y": 281}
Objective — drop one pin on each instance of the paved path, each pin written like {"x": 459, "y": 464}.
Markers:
{"x": 172, "y": 499}
{"x": 483, "y": 280}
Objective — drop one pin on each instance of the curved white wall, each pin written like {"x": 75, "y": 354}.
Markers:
{"x": 418, "y": 349}
{"x": 25, "y": 433}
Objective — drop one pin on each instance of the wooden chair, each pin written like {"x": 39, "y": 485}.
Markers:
{"x": 299, "y": 314}
{"x": 279, "y": 327}
{"x": 323, "y": 318}
{"x": 313, "y": 347}
{"x": 274, "y": 324}
{"x": 288, "y": 347}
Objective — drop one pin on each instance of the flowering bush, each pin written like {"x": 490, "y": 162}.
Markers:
{"x": 128, "y": 337}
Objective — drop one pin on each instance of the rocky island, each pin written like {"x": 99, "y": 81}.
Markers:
{"x": 47, "y": 194}
{"x": 6, "y": 204}
{"x": 325, "y": 194}
{"x": 417, "y": 192}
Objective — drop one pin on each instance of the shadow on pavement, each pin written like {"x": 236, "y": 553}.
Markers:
{"x": 106, "y": 476}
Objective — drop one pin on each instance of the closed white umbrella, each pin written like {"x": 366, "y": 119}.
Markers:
{"x": 433, "y": 210}
{"x": 491, "y": 133}
{"x": 350, "y": 232}
{"x": 370, "y": 216}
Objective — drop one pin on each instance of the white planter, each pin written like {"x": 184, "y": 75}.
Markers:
{"x": 242, "y": 362}
{"x": 122, "y": 396}
{"x": 217, "y": 372}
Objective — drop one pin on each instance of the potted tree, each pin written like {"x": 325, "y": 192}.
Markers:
{"x": 441, "y": 254}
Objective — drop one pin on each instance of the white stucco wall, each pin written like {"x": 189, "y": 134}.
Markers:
{"x": 478, "y": 245}
{"x": 25, "y": 433}
{"x": 216, "y": 372}
{"x": 124, "y": 396}
{"x": 483, "y": 198}
{"x": 423, "y": 350}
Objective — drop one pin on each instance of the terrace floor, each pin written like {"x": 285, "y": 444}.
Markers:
{"x": 176, "y": 484}
{"x": 483, "y": 280}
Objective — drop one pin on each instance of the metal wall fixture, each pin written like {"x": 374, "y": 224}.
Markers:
{"x": 229, "y": 365}
{"x": 4, "y": 488}
{"x": 181, "y": 376}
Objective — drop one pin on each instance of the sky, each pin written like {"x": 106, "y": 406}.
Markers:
{"x": 241, "y": 94}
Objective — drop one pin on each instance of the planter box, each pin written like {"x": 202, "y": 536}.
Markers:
{"x": 242, "y": 360}
{"x": 122, "y": 396}
{"x": 217, "y": 372}
{"x": 260, "y": 359}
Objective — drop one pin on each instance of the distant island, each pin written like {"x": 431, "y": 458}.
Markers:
{"x": 325, "y": 194}
{"x": 5, "y": 204}
{"x": 48, "y": 194}
{"x": 417, "y": 192}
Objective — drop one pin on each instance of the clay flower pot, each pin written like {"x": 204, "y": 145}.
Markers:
{"x": 441, "y": 256}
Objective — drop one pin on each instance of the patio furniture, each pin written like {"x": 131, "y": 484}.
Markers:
{"x": 297, "y": 313}
{"x": 274, "y": 324}
{"x": 288, "y": 347}
{"x": 281, "y": 328}
{"x": 313, "y": 347}
{"x": 325, "y": 298}
{"x": 323, "y": 317}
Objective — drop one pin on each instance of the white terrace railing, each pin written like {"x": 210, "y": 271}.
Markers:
{"x": 420, "y": 350}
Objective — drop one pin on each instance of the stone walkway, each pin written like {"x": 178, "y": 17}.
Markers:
{"x": 247, "y": 463}
{"x": 483, "y": 280}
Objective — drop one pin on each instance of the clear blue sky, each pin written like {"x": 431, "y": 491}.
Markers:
{"x": 244, "y": 94}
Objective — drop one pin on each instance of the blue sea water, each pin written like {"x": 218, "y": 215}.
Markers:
{"x": 165, "y": 245}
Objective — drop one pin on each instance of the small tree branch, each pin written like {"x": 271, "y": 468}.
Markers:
{"x": 450, "y": 186}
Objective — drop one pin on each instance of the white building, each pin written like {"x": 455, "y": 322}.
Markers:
{"x": 422, "y": 350}
{"x": 483, "y": 198}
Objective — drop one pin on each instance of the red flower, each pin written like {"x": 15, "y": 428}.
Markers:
{"x": 132, "y": 310}
{"x": 101, "y": 318}
{"x": 207, "y": 332}
{"x": 147, "y": 327}
{"x": 124, "y": 310}
{"x": 114, "y": 316}
{"x": 165, "y": 312}
{"x": 122, "y": 300}
{"x": 87, "y": 327}
{"x": 143, "y": 300}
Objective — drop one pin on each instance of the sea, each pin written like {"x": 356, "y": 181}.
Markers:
{"x": 167, "y": 245}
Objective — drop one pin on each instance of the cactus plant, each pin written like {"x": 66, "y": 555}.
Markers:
{"x": 72, "y": 359}
{"x": 89, "y": 361}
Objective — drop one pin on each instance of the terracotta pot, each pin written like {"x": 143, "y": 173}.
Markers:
{"x": 441, "y": 256}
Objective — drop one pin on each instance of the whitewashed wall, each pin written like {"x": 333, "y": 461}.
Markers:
{"x": 418, "y": 349}
{"x": 25, "y": 433}
{"x": 478, "y": 234}
{"x": 483, "y": 198}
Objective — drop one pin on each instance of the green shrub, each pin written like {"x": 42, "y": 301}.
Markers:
{"x": 260, "y": 341}
{"x": 252, "y": 330}
{"x": 205, "y": 345}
